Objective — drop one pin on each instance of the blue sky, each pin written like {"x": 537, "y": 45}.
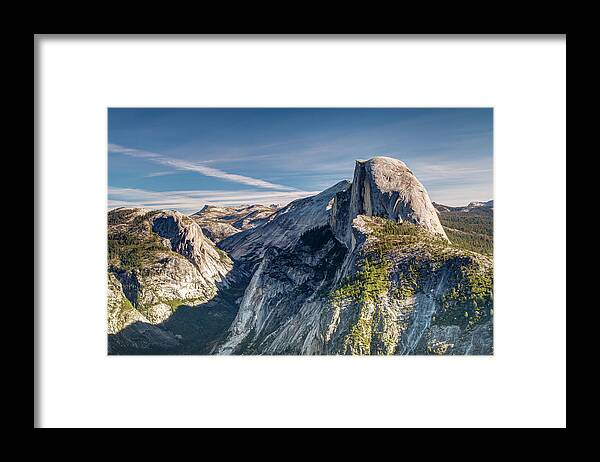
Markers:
{"x": 184, "y": 158}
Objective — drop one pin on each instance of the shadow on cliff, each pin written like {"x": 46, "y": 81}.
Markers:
{"x": 189, "y": 330}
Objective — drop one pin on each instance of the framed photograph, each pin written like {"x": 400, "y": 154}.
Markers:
{"x": 260, "y": 232}
{"x": 267, "y": 229}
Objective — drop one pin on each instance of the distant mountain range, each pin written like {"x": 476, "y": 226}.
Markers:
{"x": 368, "y": 267}
{"x": 217, "y": 223}
{"x": 467, "y": 208}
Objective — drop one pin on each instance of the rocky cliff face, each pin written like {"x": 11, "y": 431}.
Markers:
{"x": 385, "y": 187}
{"x": 284, "y": 228}
{"x": 158, "y": 261}
{"x": 411, "y": 292}
{"x": 282, "y": 306}
{"x": 375, "y": 274}
{"x": 405, "y": 291}
{"x": 129, "y": 330}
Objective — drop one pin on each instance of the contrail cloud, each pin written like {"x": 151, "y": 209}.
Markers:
{"x": 196, "y": 167}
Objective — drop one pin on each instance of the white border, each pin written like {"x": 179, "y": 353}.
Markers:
{"x": 523, "y": 384}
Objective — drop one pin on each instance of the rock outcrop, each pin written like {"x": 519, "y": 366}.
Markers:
{"x": 281, "y": 311}
{"x": 129, "y": 330}
{"x": 121, "y": 312}
{"x": 385, "y": 187}
{"x": 283, "y": 228}
{"x": 158, "y": 261}
{"x": 186, "y": 239}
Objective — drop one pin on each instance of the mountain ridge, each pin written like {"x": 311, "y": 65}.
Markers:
{"x": 219, "y": 222}
{"x": 364, "y": 267}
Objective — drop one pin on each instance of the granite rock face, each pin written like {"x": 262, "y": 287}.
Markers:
{"x": 128, "y": 329}
{"x": 375, "y": 274}
{"x": 394, "y": 293}
{"x": 158, "y": 261}
{"x": 283, "y": 228}
{"x": 121, "y": 312}
{"x": 281, "y": 311}
{"x": 385, "y": 187}
{"x": 186, "y": 239}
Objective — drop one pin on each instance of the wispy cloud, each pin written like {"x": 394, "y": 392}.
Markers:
{"x": 155, "y": 174}
{"x": 197, "y": 167}
{"x": 192, "y": 201}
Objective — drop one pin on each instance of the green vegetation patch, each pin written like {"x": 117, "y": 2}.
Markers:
{"x": 409, "y": 282}
{"x": 363, "y": 288}
{"x": 470, "y": 301}
{"x": 422, "y": 260}
{"x": 119, "y": 216}
{"x": 358, "y": 340}
{"x": 473, "y": 230}
{"x": 390, "y": 234}
{"x": 176, "y": 303}
{"x": 470, "y": 241}
{"x": 128, "y": 251}
{"x": 479, "y": 220}
{"x": 370, "y": 282}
